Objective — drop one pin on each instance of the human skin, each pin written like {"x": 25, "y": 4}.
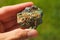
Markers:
{"x": 9, "y": 29}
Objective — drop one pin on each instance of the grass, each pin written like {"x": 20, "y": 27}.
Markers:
{"x": 50, "y": 28}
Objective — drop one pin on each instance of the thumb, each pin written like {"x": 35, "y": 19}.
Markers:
{"x": 19, "y": 34}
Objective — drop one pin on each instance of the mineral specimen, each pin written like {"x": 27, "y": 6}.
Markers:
{"x": 30, "y": 17}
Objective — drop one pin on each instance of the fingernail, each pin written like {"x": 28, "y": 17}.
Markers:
{"x": 32, "y": 33}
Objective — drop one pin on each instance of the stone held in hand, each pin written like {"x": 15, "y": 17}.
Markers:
{"x": 30, "y": 17}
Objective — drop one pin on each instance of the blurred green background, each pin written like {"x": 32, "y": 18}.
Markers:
{"x": 50, "y": 28}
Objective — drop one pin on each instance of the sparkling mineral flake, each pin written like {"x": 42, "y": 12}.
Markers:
{"x": 30, "y": 17}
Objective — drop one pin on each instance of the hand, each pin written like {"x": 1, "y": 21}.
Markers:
{"x": 9, "y": 29}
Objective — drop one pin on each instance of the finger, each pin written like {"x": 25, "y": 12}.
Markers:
{"x": 9, "y": 11}
{"x": 12, "y": 28}
{"x": 32, "y": 31}
{"x": 10, "y": 24}
{"x": 20, "y": 34}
